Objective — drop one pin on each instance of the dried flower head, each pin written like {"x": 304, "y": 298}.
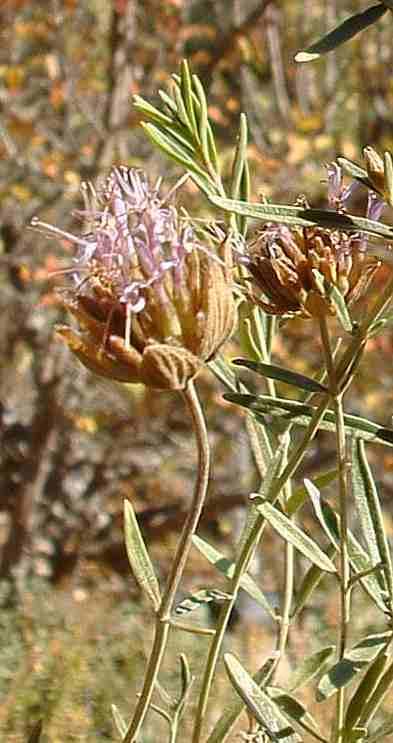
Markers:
{"x": 151, "y": 302}
{"x": 292, "y": 267}
{"x": 380, "y": 173}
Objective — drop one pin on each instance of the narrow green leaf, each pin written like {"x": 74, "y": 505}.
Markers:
{"x": 203, "y": 120}
{"x": 182, "y": 113}
{"x": 377, "y": 697}
{"x": 239, "y": 158}
{"x": 232, "y": 711}
{"x": 370, "y": 512}
{"x": 358, "y": 557}
{"x": 201, "y": 598}
{"x": 168, "y": 102}
{"x": 138, "y": 556}
{"x": 295, "y": 711}
{"x": 342, "y": 33}
{"x": 300, "y": 413}
{"x": 152, "y": 113}
{"x": 364, "y": 691}
{"x": 310, "y": 583}
{"x": 172, "y": 149}
{"x": 282, "y": 375}
{"x": 186, "y": 89}
{"x": 309, "y": 668}
{"x": 295, "y": 536}
{"x": 354, "y": 170}
{"x": 299, "y": 496}
{"x": 294, "y": 215}
{"x": 186, "y": 678}
{"x": 35, "y": 734}
{"x": 337, "y": 300}
{"x": 337, "y": 678}
{"x": 227, "y": 568}
{"x": 120, "y": 723}
{"x": 382, "y": 732}
{"x": 276, "y": 726}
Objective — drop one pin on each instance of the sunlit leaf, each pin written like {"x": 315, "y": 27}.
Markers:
{"x": 120, "y": 723}
{"x": 356, "y": 660}
{"x": 265, "y": 710}
{"x": 232, "y": 710}
{"x": 370, "y": 512}
{"x": 295, "y": 536}
{"x": 138, "y": 556}
{"x": 227, "y": 568}
{"x": 364, "y": 691}
{"x": 199, "y": 599}
{"x": 294, "y": 215}
{"x": 310, "y": 667}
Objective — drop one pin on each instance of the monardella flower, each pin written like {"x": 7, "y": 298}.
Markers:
{"x": 152, "y": 303}
{"x": 292, "y": 268}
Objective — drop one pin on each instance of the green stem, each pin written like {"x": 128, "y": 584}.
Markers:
{"x": 241, "y": 566}
{"x": 342, "y": 467}
{"x": 179, "y": 561}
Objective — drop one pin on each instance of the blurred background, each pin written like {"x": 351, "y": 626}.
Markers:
{"x": 73, "y": 624}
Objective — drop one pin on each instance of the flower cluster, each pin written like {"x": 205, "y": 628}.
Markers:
{"x": 292, "y": 268}
{"x": 152, "y": 304}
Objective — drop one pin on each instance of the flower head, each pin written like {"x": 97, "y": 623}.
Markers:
{"x": 292, "y": 268}
{"x": 151, "y": 302}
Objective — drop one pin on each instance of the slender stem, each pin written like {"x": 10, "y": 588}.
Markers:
{"x": 241, "y": 566}
{"x": 342, "y": 466}
{"x": 179, "y": 561}
{"x": 285, "y": 617}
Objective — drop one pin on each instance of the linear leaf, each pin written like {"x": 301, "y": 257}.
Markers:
{"x": 374, "y": 702}
{"x": 200, "y": 598}
{"x": 364, "y": 691}
{"x": 354, "y": 170}
{"x": 227, "y": 568}
{"x": 282, "y": 375}
{"x": 342, "y": 33}
{"x": 138, "y": 556}
{"x": 294, "y": 710}
{"x": 310, "y": 583}
{"x": 356, "y": 660}
{"x": 359, "y": 491}
{"x": 299, "y": 496}
{"x": 265, "y": 710}
{"x": 309, "y": 668}
{"x": 232, "y": 711}
{"x": 172, "y": 149}
{"x": 300, "y": 413}
{"x": 336, "y": 299}
{"x": 370, "y": 512}
{"x": 120, "y": 723}
{"x": 295, "y": 215}
{"x": 295, "y": 536}
{"x": 358, "y": 557}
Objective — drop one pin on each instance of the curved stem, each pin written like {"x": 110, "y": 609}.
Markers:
{"x": 179, "y": 561}
{"x": 242, "y": 564}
